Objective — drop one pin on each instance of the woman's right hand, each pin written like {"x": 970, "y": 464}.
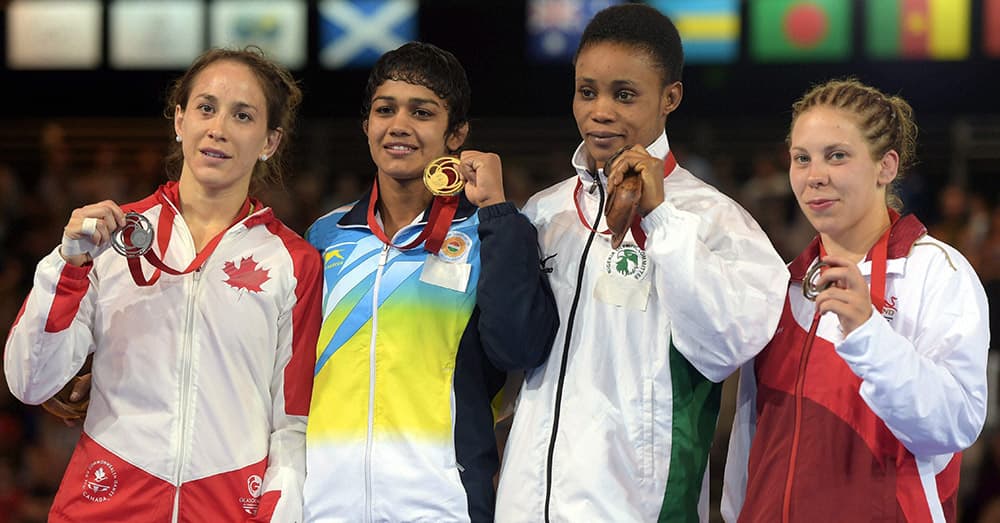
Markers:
{"x": 89, "y": 231}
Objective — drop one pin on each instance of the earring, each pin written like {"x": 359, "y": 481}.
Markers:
{"x": 177, "y": 138}
{"x": 263, "y": 157}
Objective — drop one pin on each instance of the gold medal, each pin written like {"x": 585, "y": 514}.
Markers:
{"x": 441, "y": 177}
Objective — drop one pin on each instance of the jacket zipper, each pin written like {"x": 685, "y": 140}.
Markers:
{"x": 565, "y": 355}
{"x": 185, "y": 391}
{"x": 786, "y": 504}
{"x": 371, "y": 385}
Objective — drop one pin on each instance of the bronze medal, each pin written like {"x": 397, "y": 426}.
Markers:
{"x": 442, "y": 178}
{"x": 809, "y": 287}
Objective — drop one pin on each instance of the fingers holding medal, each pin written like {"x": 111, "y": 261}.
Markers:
{"x": 89, "y": 230}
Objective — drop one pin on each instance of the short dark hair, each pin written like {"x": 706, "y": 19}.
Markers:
{"x": 642, "y": 27}
{"x": 280, "y": 89}
{"x": 424, "y": 64}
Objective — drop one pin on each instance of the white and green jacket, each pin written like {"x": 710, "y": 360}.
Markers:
{"x": 617, "y": 425}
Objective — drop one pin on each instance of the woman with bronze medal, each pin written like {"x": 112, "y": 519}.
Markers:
{"x": 434, "y": 291}
{"x": 876, "y": 379}
{"x": 202, "y": 326}
{"x": 665, "y": 286}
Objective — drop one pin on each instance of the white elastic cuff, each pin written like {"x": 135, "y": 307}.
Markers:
{"x": 71, "y": 247}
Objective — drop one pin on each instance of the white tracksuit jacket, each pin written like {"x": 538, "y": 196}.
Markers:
{"x": 201, "y": 382}
{"x": 616, "y": 426}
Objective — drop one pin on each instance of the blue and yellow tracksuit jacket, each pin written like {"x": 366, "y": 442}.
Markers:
{"x": 412, "y": 350}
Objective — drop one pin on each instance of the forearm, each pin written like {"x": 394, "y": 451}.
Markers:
{"x": 518, "y": 317}
{"x": 51, "y": 337}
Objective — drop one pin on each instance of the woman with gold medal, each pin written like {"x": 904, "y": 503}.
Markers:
{"x": 433, "y": 291}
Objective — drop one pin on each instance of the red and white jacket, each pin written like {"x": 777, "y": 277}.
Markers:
{"x": 201, "y": 382}
{"x": 868, "y": 426}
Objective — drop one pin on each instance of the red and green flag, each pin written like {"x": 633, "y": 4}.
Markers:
{"x": 991, "y": 28}
{"x": 918, "y": 29}
{"x": 800, "y": 30}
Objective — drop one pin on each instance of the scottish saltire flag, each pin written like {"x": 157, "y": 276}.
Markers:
{"x": 555, "y": 26}
{"x": 355, "y": 33}
{"x": 710, "y": 29}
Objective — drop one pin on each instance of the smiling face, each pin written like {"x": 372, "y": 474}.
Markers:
{"x": 620, "y": 99}
{"x": 407, "y": 128}
{"x": 838, "y": 185}
{"x": 224, "y": 127}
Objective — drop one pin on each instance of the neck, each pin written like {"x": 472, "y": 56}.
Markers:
{"x": 400, "y": 202}
{"x": 208, "y": 212}
{"x": 855, "y": 243}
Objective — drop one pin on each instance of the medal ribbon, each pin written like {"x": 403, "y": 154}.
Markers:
{"x": 164, "y": 229}
{"x": 880, "y": 254}
{"x": 442, "y": 213}
{"x": 669, "y": 163}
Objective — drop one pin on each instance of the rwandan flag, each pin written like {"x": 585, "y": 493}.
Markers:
{"x": 918, "y": 29}
{"x": 710, "y": 29}
{"x": 800, "y": 30}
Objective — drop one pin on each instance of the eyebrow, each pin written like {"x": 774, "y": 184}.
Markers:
{"x": 615, "y": 83}
{"x": 213, "y": 99}
{"x": 417, "y": 101}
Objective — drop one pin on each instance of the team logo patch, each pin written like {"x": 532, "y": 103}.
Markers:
{"x": 100, "y": 481}
{"x": 628, "y": 261}
{"x": 247, "y": 275}
{"x": 250, "y": 504}
{"x": 455, "y": 247}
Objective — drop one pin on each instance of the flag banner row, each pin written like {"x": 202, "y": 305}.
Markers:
{"x": 169, "y": 34}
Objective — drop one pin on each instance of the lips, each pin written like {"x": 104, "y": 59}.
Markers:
{"x": 399, "y": 149}
{"x": 819, "y": 204}
{"x": 215, "y": 153}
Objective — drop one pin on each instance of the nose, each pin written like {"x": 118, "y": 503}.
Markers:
{"x": 216, "y": 128}
{"x": 400, "y": 125}
{"x": 816, "y": 176}
{"x": 603, "y": 109}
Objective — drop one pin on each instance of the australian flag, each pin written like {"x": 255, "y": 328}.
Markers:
{"x": 355, "y": 33}
{"x": 555, "y": 27}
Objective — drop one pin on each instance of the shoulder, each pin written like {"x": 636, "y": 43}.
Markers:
{"x": 550, "y": 200}
{"x": 689, "y": 193}
{"x": 319, "y": 234}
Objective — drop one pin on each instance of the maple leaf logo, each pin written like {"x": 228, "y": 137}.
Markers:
{"x": 247, "y": 275}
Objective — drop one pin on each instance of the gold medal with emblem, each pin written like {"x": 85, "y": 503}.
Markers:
{"x": 442, "y": 178}
{"x": 627, "y": 261}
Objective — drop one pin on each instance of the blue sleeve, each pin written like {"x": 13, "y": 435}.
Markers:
{"x": 518, "y": 318}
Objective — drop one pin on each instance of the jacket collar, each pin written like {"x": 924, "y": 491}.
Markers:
{"x": 357, "y": 216}
{"x": 904, "y": 233}
{"x": 659, "y": 148}
{"x": 170, "y": 194}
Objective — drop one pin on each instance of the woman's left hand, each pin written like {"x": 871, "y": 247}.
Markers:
{"x": 650, "y": 169}
{"x": 848, "y": 297}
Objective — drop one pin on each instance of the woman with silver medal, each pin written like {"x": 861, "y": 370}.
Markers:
{"x": 202, "y": 330}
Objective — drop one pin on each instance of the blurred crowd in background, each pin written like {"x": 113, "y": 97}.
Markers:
{"x": 53, "y": 175}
